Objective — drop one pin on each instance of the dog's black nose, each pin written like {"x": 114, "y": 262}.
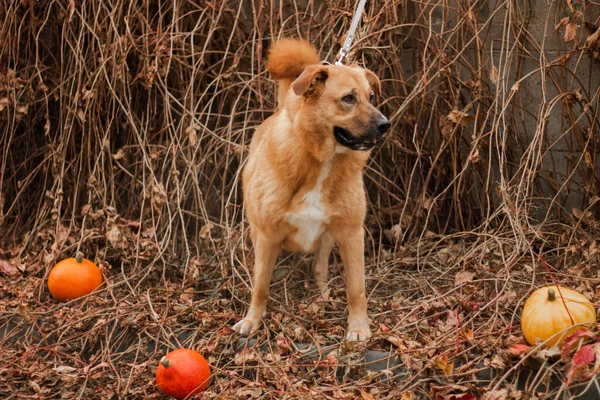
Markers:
{"x": 383, "y": 125}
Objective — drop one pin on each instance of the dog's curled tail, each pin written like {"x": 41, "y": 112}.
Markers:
{"x": 287, "y": 59}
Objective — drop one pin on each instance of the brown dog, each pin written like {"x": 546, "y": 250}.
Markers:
{"x": 303, "y": 184}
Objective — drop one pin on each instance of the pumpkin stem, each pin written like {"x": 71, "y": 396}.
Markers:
{"x": 165, "y": 362}
{"x": 79, "y": 257}
{"x": 551, "y": 295}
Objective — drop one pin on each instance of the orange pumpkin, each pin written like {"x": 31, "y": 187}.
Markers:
{"x": 545, "y": 315}
{"x": 182, "y": 373}
{"x": 73, "y": 277}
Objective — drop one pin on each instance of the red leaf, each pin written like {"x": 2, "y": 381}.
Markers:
{"x": 465, "y": 396}
{"x": 284, "y": 345}
{"x": 518, "y": 349}
{"x": 573, "y": 341}
{"x": 585, "y": 355}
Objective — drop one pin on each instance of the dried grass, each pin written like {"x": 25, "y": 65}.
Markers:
{"x": 123, "y": 128}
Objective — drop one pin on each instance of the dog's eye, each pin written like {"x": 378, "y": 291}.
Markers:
{"x": 371, "y": 97}
{"x": 349, "y": 98}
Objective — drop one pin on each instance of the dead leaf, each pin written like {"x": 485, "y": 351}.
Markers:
{"x": 245, "y": 356}
{"x": 474, "y": 156}
{"x": 206, "y": 230}
{"x": 192, "y": 134}
{"x": 584, "y": 216}
{"x": 396, "y": 341}
{"x": 284, "y": 345}
{"x": 463, "y": 396}
{"x": 365, "y": 395}
{"x": 8, "y": 268}
{"x": 498, "y": 362}
{"x": 494, "y": 75}
{"x": 115, "y": 238}
{"x": 65, "y": 370}
{"x": 119, "y": 155}
{"x": 570, "y": 32}
{"x": 460, "y": 117}
{"x": 445, "y": 126}
{"x": 441, "y": 363}
{"x": 35, "y": 386}
{"x": 467, "y": 333}
{"x": 249, "y": 393}
{"x": 3, "y": 103}
{"x": 501, "y": 394}
{"x": 463, "y": 277}
{"x": 563, "y": 22}
{"x": 591, "y": 43}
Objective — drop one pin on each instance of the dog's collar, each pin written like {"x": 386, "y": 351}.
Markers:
{"x": 343, "y": 137}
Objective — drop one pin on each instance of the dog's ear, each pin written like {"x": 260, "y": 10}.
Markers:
{"x": 311, "y": 82}
{"x": 373, "y": 82}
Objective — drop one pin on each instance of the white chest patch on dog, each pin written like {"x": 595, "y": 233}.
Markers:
{"x": 311, "y": 218}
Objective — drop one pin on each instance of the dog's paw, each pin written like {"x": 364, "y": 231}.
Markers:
{"x": 358, "y": 334}
{"x": 246, "y": 327}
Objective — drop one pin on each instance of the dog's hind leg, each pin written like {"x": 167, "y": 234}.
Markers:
{"x": 265, "y": 257}
{"x": 321, "y": 263}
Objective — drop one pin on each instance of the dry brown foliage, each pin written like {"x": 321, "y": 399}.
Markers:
{"x": 123, "y": 128}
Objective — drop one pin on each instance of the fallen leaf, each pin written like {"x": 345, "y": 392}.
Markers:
{"x": 572, "y": 341}
{"x": 8, "y": 268}
{"x": 65, "y": 369}
{"x": 463, "y": 277}
{"x": 501, "y": 394}
{"x": 365, "y": 395}
{"x": 463, "y": 396}
{"x": 518, "y": 349}
{"x": 396, "y": 341}
{"x": 115, "y": 238}
{"x": 584, "y": 356}
{"x": 467, "y": 333}
{"x": 441, "y": 363}
{"x": 283, "y": 344}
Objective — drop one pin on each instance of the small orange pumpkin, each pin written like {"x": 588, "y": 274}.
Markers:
{"x": 73, "y": 277}
{"x": 545, "y": 315}
{"x": 182, "y": 373}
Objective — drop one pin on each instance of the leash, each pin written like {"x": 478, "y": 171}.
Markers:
{"x": 348, "y": 42}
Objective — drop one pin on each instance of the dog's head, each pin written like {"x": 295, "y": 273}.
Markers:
{"x": 339, "y": 101}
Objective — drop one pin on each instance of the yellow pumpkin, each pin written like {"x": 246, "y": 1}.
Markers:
{"x": 544, "y": 314}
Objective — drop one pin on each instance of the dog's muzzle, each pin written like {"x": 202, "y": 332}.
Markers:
{"x": 364, "y": 143}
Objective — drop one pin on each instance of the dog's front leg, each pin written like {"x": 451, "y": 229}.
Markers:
{"x": 265, "y": 257}
{"x": 351, "y": 248}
